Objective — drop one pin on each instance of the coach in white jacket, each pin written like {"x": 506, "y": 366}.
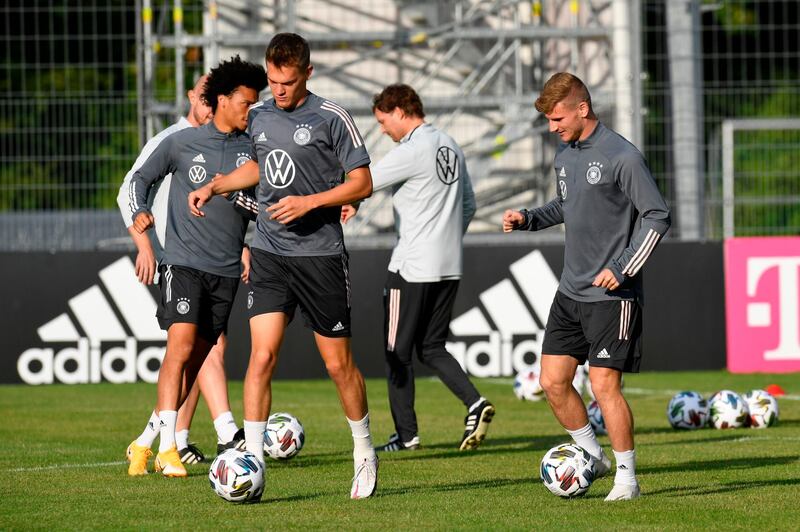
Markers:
{"x": 433, "y": 205}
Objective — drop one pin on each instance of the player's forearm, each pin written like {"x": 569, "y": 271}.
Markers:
{"x": 245, "y": 176}
{"x": 358, "y": 186}
{"x": 140, "y": 240}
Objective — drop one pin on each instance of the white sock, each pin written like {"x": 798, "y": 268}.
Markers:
{"x": 585, "y": 438}
{"x": 362, "y": 441}
{"x": 147, "y": 437}
{"x": 168, "y": 420}
{"x": 626, "y": 468}
{"x": 254, "y": 437}
{"x": 226, "y": 427}
{"x": 182, "y": 439}
{"x": 476, "y": 403}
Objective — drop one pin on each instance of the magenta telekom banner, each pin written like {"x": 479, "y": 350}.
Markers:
{"x": 762, "y": 296}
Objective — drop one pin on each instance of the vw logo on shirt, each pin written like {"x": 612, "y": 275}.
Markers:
{"x": 279, "y": 169}
{"x": 446, "y": 165}
{"x": 197, "y": 174}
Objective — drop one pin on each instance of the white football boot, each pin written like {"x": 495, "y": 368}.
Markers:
{"x": 623, "y": 492}
{"x": 365, "y": 480}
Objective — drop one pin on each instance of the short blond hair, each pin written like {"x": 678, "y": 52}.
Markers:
{"x": 560, "y": 87}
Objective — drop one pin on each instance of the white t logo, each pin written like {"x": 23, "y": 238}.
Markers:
{"x": 279, "y": 169}
{"x": 758, "y": 314}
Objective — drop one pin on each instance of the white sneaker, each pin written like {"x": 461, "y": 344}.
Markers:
{"x": 602, "y": 465}
{"x": 623, "y": 492}
{"x": 365, "y": 480}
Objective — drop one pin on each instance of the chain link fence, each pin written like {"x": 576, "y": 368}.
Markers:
{"x": 72, "y": 121}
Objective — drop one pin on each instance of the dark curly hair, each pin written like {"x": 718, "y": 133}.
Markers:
{"x": 398, "y": 95}
{"x": 288, "y": 49}
{"x": 226, "y": 77}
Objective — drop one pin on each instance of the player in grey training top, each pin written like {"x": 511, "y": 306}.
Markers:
{"x": 304, "y": 145}
{"x": 211, "y": 379}
{"x": 433, "y": 205}
{"x": 614, "y": 216}
{"x": 201, "y": 256}
{"x": 293, "y": 149}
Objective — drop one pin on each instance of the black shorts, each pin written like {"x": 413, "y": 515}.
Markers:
{"x": 319, "y": 285}
{"x": 607, "y": 333}
{"x": 193, "y": 296}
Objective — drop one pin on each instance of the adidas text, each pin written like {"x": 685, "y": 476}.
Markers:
{"x": 85, "y": 363}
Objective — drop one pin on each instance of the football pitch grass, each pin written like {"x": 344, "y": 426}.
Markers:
{"x": 62, "y": 465}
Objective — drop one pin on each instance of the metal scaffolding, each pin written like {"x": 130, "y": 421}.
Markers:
{"x": 476, "y": 64}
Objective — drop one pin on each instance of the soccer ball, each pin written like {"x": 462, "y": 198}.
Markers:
{"x": 596, "y": 418}
{"x": 567, "y": 470}
{"x": 284, "y": 436}
{"x": 727, "y": 410}
{"x": 526, "y": 386}
{"x": 763, "y": 409}
{"x": 237, "y": 476}
{"x": 687, "y": 410}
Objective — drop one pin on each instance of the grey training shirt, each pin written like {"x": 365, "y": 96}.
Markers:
{"x": 193, "y": 156}
{"x": 612, "y": 210}
{"x": 302, "y": 152}
{"x": 157, "y": 200}
{"x": 433, "y": 204}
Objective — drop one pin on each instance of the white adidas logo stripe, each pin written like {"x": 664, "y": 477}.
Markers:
{"x": 603, "y": 354}
{"x": 96, "y": 317}
{"x": 261, "y": 138}
{"x": 199, "y": 158}
{"x": 505, "y": 305}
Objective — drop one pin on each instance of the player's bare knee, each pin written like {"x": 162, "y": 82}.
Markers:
{"x": 263, "y": 362}
{"x": 554, "y": 385}
{"x": 340, "y": 368}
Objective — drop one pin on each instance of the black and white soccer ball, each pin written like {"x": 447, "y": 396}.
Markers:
{"x": 284, "y": 436}
{"x": 687, "y": 410}
{"x": 237, "y": 476}
{"x": 567, "y": 470}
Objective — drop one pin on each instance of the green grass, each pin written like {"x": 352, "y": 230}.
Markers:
{"x": 707, "y": 479}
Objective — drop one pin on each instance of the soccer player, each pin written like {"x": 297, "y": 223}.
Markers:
{"x": 211, "y": 379}
{"x": 433, "y": 205}
{"x": 614, "y": 216}
{"x": 200, "y": 271}
{"x": 305, "y": 146}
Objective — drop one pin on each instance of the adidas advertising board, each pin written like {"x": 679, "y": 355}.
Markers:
{"x": 84, "y": 318}
{"x": 507, "y": 324}
{"x": 88, "y": 341}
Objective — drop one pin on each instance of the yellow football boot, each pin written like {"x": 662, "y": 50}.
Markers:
{"x": 169, "y": 463}
{"x": 137, "y": 456}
